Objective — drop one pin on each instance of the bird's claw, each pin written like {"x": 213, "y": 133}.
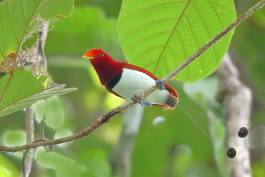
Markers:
{"x": 160, "y": 84}
{"x": 137, "y": 99}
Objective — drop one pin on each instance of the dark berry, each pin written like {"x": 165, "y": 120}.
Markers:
{"x": 231, "y": 152}
{"x": 243, "y": 132}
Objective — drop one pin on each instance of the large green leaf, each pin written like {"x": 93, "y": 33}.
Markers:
{"x": 22, "y": 90}
{"x": 18, "y": 19}
{"x": 160, "y": 34}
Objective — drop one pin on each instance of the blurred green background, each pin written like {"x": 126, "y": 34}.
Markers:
{"x": 172, "y": 146}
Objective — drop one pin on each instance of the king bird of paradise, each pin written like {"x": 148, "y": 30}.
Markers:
{"x": 127, "y": 80}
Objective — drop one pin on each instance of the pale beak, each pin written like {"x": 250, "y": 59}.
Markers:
{"x": 88, "y": 55}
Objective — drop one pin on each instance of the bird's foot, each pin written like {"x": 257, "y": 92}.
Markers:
{"x": 160, "y": 84}
{"x": 139, "y": 100}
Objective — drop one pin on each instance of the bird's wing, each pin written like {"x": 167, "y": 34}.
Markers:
{"x": 114, "y": 92}
{"x": 110, "y": 84}
{"x": 171, "y": 90}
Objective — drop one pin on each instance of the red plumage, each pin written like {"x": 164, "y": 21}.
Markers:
{"x": 108, "y": 69}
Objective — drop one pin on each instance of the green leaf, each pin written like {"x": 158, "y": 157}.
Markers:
{"x": 62, "y": 133}
{"x": 181, "y": 127}
{"x": 22, "y": 90}
{"x": 14, "y": 88}
{"x": 50, "y": 111}
{"x": 7, "y": 168}
{"x": 96, "y": 158}
{"x": 63, "y": 166}
{"x": 14, "y": 138}
{"x": 207, "y": 90}
{"x": 160, "y": 34}
{"x": 18, "y": 19}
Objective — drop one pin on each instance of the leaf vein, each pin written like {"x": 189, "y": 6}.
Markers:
{"x": 196, "y": 42}
{"x": 171, "y": 34}
{"x": 207, "y": 30}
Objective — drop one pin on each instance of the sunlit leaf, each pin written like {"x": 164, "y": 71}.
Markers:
{"x": 14, "y": 88}
{"x": 7, "y": 168}
{"x": 18, "y": 20}
{"x": 50, "y": 111}
{"x": 160, "y": 34}
{"x": 22, "y": 90}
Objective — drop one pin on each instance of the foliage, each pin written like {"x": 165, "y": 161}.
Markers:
{"x": 13, "y": 100}
{"x": 150, "y": 32}
{"x": 172, "y": 143}
{"x": 18, "y": 20}
{"x": 91, "y": 29}
{"x": 62, "y": 165}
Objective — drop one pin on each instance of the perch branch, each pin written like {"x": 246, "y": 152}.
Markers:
{"x": 107, "y": 116}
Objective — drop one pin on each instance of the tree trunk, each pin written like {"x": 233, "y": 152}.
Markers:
{"x": 236, "y": 99}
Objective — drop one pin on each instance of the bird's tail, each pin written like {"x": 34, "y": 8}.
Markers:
{"x": 171, "y": 102}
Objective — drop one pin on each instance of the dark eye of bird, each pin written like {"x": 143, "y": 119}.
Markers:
{"x": 101, "y": 55}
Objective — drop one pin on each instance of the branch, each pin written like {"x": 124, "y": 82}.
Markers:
{"x": 236, "y": 98}
{"x": 29, "y": 154}
{"x": 107, "y": 116}
{"x": 43, "y": 33}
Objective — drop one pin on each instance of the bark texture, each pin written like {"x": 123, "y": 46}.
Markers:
{"x": 236, "y": 98}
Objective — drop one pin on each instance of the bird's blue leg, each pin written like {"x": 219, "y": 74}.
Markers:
{"x": 147, "y": 103}
{"x": 139, "y": 100}
{"x": 160, "y": 84}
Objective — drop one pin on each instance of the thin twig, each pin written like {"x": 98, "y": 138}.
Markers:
{"x": 44, "y": 26}
{"x": 107, "y": 116}
{"x": 29, "y": 154}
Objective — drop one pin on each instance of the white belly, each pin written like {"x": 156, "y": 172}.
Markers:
{"x": 133, "y": 82}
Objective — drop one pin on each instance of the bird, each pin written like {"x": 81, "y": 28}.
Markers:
{"x": 126, "y": 80}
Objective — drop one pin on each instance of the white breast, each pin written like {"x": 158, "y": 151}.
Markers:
{"x": 133, "y": 82}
